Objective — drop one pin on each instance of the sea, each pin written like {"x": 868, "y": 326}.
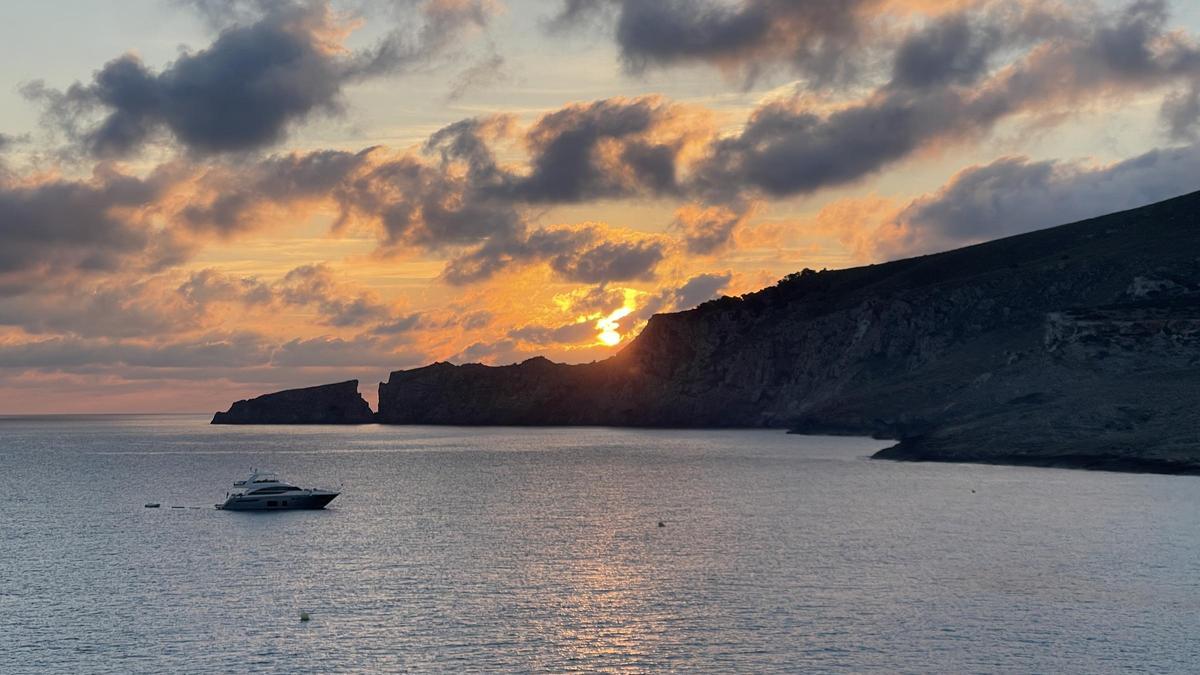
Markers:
{"x": 493, "y": 550}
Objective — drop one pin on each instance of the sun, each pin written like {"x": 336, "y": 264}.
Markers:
{"x": 609, "y": 335}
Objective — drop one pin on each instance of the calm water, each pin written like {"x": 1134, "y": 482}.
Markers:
{"x": 516, "y": 550}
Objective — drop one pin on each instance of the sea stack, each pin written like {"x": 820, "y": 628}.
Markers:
{"x": 338, "y": 403}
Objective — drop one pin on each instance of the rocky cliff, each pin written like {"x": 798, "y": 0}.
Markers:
{"x": 327, "y": 404}
{"x": 1072, "y": 346}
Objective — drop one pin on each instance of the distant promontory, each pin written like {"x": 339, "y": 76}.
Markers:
{"x": 1073, "y": 346}
{"x": 327, "y": 404}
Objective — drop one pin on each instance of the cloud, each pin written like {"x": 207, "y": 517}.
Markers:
{"x": 569, "y": 334}
{"x": 455, "y": 193}
{"x": 70, "y": 353}
{"x": 582, "y": 254}
{"x": 1015, "y": 194}
{"x": 788, "y": 149}
{"x": 315, "y": 286}
{"x": 616, "y": 147}
{"x": 701, "y": 288}
{"x": 360, "y": 351}
{"x": 204, "y": 355}
{"x": 487, "y": 71}
{"x": 692, "y": 292}
{"x": 121, "y": 306}
{"x": 91, "y": 226}
{"x": 948, "y": 51}
{"x": 610, "y": 261}
{"x": 708, "y": 230}
{"x": 501, "y": 351}
{"x": 400, "y": 325}
{"x": 249, "y": 87}
{"x": 621, "y": 311}
{"x": 1181, "y": 112}
{"x": 207, "y": 286}
{"x": 818, "y": 39}
{"x": 231, "y": 197}
{"x": 458, "y": 200}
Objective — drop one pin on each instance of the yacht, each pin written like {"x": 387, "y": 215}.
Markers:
{"x": 264, "y": 491}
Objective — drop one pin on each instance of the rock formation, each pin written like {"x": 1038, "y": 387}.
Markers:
{"x": 327, "y": 404}
{"x": 1075, "y": 346}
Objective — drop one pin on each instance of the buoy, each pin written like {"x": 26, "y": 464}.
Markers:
{"x": 661, "y": 524}
{"x": 304, "y": 616}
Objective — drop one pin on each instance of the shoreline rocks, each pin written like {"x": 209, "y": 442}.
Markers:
{"x": 338, "y": 403}
{"x": 1077, "y": 345}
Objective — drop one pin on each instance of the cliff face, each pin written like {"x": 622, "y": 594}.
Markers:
{"x": 327, "y": 404}
{"x": 1075, "y": 345}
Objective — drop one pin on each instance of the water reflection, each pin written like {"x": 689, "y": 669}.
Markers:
{"x": 538, "y": 550}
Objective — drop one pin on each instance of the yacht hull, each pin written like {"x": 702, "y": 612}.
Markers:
{"x": 286, "y": 502}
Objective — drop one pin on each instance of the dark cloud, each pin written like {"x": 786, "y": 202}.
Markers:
{"x": 360, "y": 351}
{"x": 786, "y": 149}
{"x": 603, "y": 149}
{"x": 600, "y": 299}
{"x": 207, "y": 286}
{"x": 64, "y": 227}
{"x": 107, "y": 307}
{"x": 70, "y": 353}
{"x": 474, "y": 320}
{"x": 441, "y": 24}
{"x": 241, "y": 92}
{"x": 313, "y": 285}
{"x": 615, "y": 148}
{"x": 574, "y": 254}
{"x": 818, "y": 38}
{"x": 436, "y": 204}
{"x": 501, "y": 351}
{"x": 570, "y": 334}
{"x": 456, "y": 193}
{"x": 1014, "y": 195}
{"x": 949, "y": 50}
{"x": 574, "y": 12}
{"x": 411, "y": 199}
{"x": 700, "y": 289}
{"x": 400, "y": 325}
{"x": 610, "y": 261}
{"x": 694, "y": 291}
{"x": 202, "y": 356}
{"x": 1181, "y": 113}
{"x": 249, "y": 87}
{"x": 709, "y": 230}
{"x": 499, "y": 253}
{"x": 487, "y": 71}
{"x": 236, "y": 191}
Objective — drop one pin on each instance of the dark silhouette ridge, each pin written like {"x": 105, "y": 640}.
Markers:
{"x": 327, "y": 404}
{"x": 1073, "y": 346}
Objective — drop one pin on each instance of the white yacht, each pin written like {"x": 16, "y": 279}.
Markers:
{"x": 264, "y": 491}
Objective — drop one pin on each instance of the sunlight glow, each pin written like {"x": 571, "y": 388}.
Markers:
{"x": 608, "y": 326}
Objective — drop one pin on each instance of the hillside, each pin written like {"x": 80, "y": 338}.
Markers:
{"x": 1076, "y": 346}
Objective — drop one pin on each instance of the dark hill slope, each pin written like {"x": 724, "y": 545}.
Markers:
{"x": 326, "y": 404}
{"x": 1077, "y": 345}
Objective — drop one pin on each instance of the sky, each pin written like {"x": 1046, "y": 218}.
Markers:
{"x": 206, "y": 200}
